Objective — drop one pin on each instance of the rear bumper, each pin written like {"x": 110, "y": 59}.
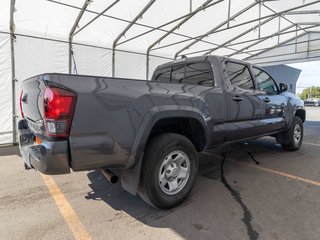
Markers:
{"x": 48, "y": 157}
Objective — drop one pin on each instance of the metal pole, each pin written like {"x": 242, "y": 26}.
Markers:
{"x": 308, "y": 46}
{"x": 71, "y": 33}
{"x": 259, "y": 30}
{"x": 229, "y": 12}
{"x": 296, "y": 47}
{"x": 269, "y": 48}
{"x": 279, "y": 27}
{"x": 147, "y": 65}
{"x": 198, "y": 38}
{"x": 303, "y": 12}
{"x": 204, "y": 5}
{"x": 215, "y": 28}
{"x": 114, "y": 45}
{"x": 170, "y": 22}
{"x": 279, "y": 46}
{"x": 240, "y": 35}
{"x": 247, "y": 41}
{"x": 96, "y": 17}
{"x": 13, "y": 72}
{"x": 261, "y": 40}
{"x": 304, "y": 5}
{"x": 282, "y": 45}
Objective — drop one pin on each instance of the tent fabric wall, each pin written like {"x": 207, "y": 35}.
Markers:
{"x": 92, "y": 60}
{"x": 5, "y": 90}
{"x": 130, "y": 65}
{"x": 41, "y": 55}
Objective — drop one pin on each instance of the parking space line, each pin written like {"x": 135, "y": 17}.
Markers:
{"x": 78, "y": 230}
{"x": 297, "y": 178}
{"x": 313, "y": 144}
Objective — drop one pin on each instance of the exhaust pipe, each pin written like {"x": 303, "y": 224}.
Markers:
{"x": 112, "y": 178}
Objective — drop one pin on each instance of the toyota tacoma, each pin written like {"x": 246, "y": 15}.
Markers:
{"x": 153, "y": 130}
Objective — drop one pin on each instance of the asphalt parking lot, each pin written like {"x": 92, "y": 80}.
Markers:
{"x": 234, "y": 198}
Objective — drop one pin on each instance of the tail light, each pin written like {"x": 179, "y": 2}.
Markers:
{"x": 21, "y": 112}
{"x": 59, "y": 105}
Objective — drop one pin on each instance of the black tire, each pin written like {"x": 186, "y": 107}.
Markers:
{"x": 157, "y": 151}
{"x": 292, "y": 143}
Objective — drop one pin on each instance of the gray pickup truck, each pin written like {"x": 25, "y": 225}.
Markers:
{"x": 152, "y": 130}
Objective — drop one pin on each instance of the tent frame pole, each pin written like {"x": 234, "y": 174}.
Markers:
{"x": 256, "y": 41}
{"x": 95, "y": 18}
{"x": 216, "y": 29}
{"x": 269, "y": 48}
{"x": 73, "y": 28}
{"x": 287, "y": 54}
{"x": 192, "y": 13}
{"x": 168, "y": 23}
{"x": 262, "y": 40}
{"x": 241, "y": 35}
{"x": 13, "y": 71}
{"x": 114, "y": 45}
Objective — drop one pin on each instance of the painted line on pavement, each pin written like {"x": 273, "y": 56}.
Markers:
{"x": 313, "y": 144}
{"x": 78, "y": 230}
{"x": 297, "y": 178}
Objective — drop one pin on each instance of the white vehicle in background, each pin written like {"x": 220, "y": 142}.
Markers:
{"x": 312, "y": 102}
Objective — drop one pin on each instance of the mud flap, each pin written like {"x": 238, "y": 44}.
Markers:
{"x": 130, "y": 178}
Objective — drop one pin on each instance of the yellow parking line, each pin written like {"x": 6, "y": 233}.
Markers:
{"x": 301, "y": 179}
{"x": 313, "y": 144}
{"x": 69, "y": 215}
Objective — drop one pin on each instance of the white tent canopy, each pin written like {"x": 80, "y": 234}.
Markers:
{"x": 129, "y": 38}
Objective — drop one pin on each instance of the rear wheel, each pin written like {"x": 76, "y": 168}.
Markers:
{"x": 294, "y": 135}
{"x": 169, "y": 170}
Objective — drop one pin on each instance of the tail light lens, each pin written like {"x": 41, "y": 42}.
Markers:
{"x": 21, "y": 112}
{"x": 59, "y": 105}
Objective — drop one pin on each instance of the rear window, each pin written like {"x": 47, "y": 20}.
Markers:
{"x": 198, "y": 73}
{"x": 177, "y": 74}
{"x": 162, "y": 75}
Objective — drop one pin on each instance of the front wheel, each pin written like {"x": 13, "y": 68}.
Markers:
{"x": 294, "y": 135}
{"x": 169, "y": 170}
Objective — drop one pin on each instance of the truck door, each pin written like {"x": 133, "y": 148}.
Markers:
{"x": 246, "y": 107}
{"x": 274, "y": 101}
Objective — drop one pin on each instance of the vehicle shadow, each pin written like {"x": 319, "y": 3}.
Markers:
{"x": 210, "y": 205}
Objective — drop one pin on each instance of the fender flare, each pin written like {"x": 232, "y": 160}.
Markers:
{"x": 130, "y": 176}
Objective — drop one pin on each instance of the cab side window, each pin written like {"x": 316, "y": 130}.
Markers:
{"x": 199, "y": 73}
{"x": 239, "y": 75}
{"x": 264, "y": 82}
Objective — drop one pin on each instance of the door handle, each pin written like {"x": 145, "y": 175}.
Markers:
{"x": 237, "y": 98}
{"x": 266, "y": 99}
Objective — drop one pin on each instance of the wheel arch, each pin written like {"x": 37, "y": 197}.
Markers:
{"x": 301, "y": 112}
{"x": 130, "y": 176}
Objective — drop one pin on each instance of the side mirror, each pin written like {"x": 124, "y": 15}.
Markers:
{"x": 283, "y": 87}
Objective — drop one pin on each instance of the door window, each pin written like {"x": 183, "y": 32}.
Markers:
{"x": 239, "y": 75}
{"x": 264, "y": 82}
{"x": 198, "y": 73}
